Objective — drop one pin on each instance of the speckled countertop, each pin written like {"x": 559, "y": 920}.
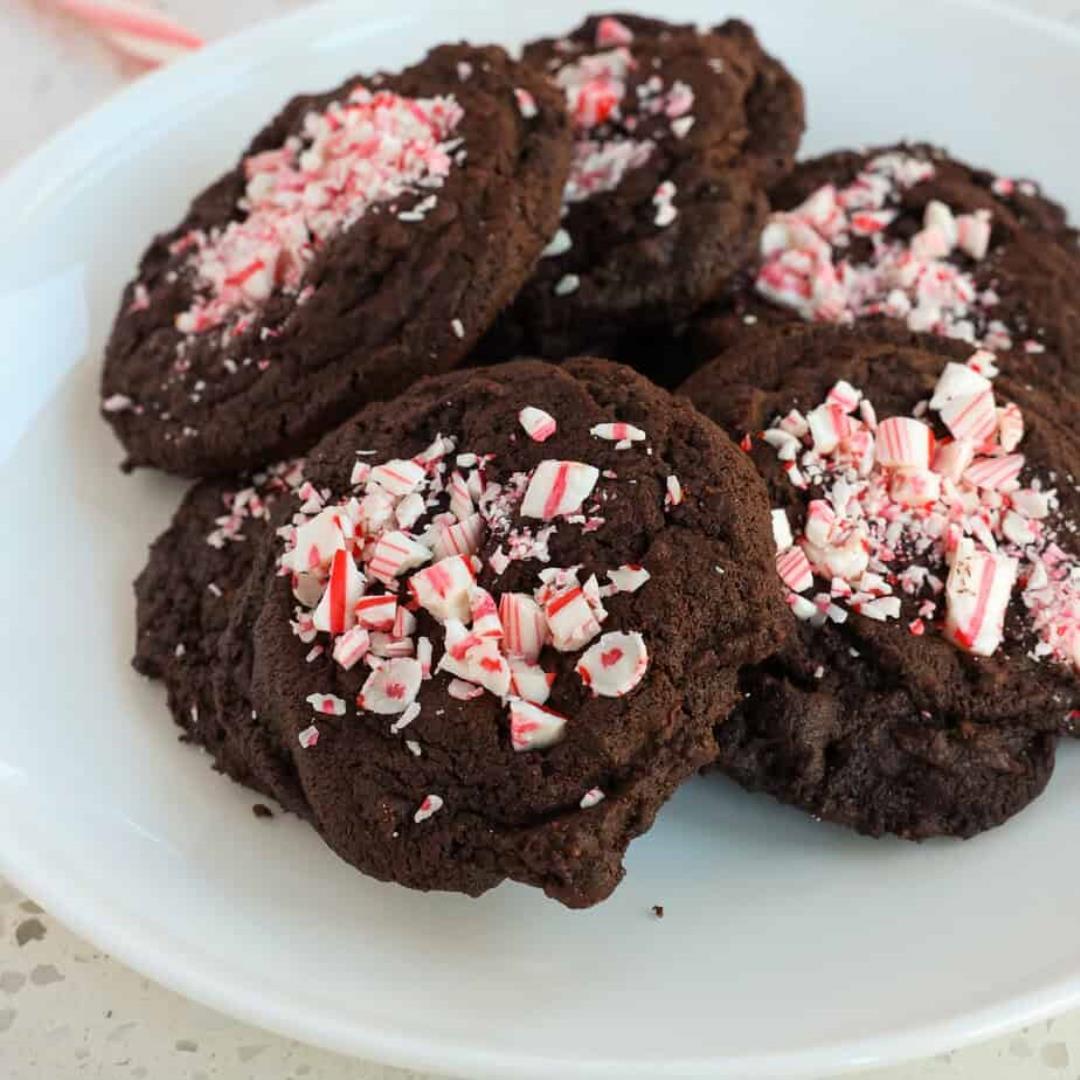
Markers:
{"x": 67, "y": 1010}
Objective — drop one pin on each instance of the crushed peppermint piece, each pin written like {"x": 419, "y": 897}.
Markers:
{"x": 618, "y": 433}
{"x": 526, "y": 103}
{"x": 567, "y": 284}
{"x": 534, "y": 727}
{"x": 432, "y": 804}
{"x": 674, "y": 494}
{"x": 664, "y": 201}
{"x": 557, "y": 488}
{"x": 591, "y": 798}
{"x": 308, "y": 737}
{"x": 615, "y": 664}
{"x": 538, "y": 425}
{"x": 610, "y": 31}
{"x": 117, "y": 403}
{"x": 391, "y": 688}
{"x": 559, "y": 244}
{"x": 326, "y": 704}
{"x": 628, "y": 578}
{"x": 458, "y": 327}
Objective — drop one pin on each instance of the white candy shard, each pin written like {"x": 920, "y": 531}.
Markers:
{"x": 538, "y": 425}
{"x": 976, "y": 595}
{"x": 533, "y": 727}
{"x": 336, "y": 611}
{"x": 432, "y": 804}
{"x": 444, "y": 588}
{"x": 615, "y": 664}
{"x": 326, "y": 704}
{"x": 524, "y": 625}
{"x": 558, "y": 488}
{"x": 391, "y": 688}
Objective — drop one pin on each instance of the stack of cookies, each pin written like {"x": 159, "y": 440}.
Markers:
{"x": 558, "y": 437}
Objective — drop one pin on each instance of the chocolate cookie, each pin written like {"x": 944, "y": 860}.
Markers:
{"x": 183, "y": 599}
{"x": 677, "y": 134}
{"x": 368, "y": 236}
{"x": 926, "y": 524}
{"x": 909, "y": 235}
{"x": 490, "y": 635}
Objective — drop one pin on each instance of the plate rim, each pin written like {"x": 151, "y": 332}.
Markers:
{"x": 176, "y": 965}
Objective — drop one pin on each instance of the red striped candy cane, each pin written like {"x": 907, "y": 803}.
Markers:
{"x": 135, "y": 30}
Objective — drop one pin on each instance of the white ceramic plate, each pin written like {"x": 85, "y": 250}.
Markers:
{"x": 789, "y": 948}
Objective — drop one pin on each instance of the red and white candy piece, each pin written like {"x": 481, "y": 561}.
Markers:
{"x": 460, "y": 538}
{"x": 794, "y": 569}
{"x": 952, "y": 458}
{"x": 903, "y": 442}
{"x": 398, "y": 478}
{"x": 524, "y": 626}
{"x": 820, "y": 520}
{"x": 460, "y": 690}
{"x": 914, "y": 487}
{"x": 973, "y": 418}
{"x": 376, "y": 612}
{"x": 318, "y": 539}
{"x": 431, "y": 805}
{"x": 326, "y": 704}
{"x": 349, "y": 649}
{"x": 591, "y": 798}
{"x": 534, "y": 727}
{"x": 673, "y": 495}
{"x": 444, "y": 588}
{"x": 957, "y": 381}
{"x": 136, "y": 30}
{"x": 558, "y": 488}
{"x": 485, "y": 615}
{"x": 394, "y": 554}
{"x": 538, "y": 425}
{"x": 336, "y": 611}
{"x": 844, "y": 395}
{"x": 973, "y": 233}
{"x": 391, "y": 688}
{"x": 829, "y": 426}
{"x": 571, "y": 620}
{"x": 976, "y": 595}
{"x": 615, "y": 664}
{"x": 1010, "y": 427}
{"x": 628, "y": 577}
{"x": 308, "y": 737}
{"x": 618, "y": 432}
{"x": 530, "y": 681}
{"x": 781, "y": 530}
{"x": 996, "y": 474}
{"x": 610, "y": 31}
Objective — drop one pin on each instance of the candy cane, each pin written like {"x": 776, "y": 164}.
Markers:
{"x": 131, "y": 28}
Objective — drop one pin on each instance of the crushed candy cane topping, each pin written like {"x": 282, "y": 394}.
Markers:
{"x": 926, "y": 281}
{"x": 952, "y": 524}
{"x": 608, "y": 120}
{"x": 403, "y": 544}
{"x": 368, "y": 148}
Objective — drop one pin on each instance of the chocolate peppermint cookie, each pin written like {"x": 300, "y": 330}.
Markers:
{"x": 183, "y": 599}
{"x": 493, "y": 630}
{"x": 925, "y": 516}
{"x": 907, "y": 234}
{"x": 368, "y": 236}
{"x": 677, "y": 133}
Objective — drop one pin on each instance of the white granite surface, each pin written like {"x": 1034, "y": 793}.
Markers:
{"x": 67, "y": 1010}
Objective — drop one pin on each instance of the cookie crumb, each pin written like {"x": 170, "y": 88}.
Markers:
{"x": 261, "y": 810}
{"x": 658, "y": 910}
